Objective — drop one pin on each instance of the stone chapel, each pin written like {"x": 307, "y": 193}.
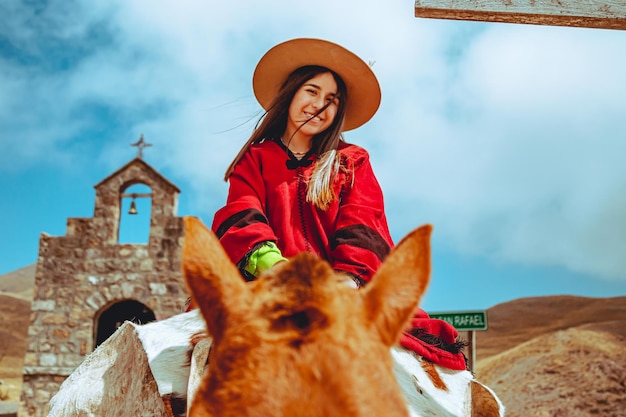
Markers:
{"x": 87, "y": 283}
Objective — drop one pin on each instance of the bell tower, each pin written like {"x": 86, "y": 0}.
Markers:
{"x": 87, "y": 283}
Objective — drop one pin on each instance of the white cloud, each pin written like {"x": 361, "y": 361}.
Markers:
{"x": 531, "y": 169}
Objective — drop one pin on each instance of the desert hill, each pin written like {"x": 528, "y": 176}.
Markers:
{"x": 14, "y": 320}
{"x": 19, "y": 283}
{"x": 14, "y": 316}
{"x": 556, "y": 356}
{"x": 517, "y": 321}
{"x": 16, "y": 292}
{"x": 575, "y": 372}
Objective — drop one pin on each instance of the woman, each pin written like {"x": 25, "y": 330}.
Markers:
{"x": 296, "y": 185}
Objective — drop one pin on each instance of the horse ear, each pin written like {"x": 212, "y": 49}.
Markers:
{"x": 215, "y": 283}
{"x": 396, "y": 289}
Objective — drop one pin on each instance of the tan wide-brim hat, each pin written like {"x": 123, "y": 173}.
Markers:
{"x": 280, "y": 61}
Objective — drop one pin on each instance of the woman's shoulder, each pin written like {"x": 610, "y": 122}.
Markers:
{"x": 354, "y": 152}
{"x": 265, "y": 144}
{"x": 264, "y": 147}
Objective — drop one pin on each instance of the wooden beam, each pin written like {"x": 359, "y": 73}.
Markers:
{"x": 601, "y": 14}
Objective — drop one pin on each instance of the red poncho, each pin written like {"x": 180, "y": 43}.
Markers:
{"x": 267, "y": 202}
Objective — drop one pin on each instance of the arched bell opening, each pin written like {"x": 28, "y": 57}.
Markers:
{"x": 135, "y": 215}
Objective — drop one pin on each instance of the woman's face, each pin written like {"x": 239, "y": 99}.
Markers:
{"x": 308, "y": 99}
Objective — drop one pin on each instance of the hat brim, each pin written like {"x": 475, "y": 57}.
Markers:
{"x": 363, "y": 89}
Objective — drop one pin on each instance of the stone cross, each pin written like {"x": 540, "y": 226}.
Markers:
{"x": 140, "y": 144}
{"x": 601, "y": 14}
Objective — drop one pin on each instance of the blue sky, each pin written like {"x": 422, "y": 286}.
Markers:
{"x": 509, "y": 139}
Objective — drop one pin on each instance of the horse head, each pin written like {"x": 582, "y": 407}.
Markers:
{"x": 298, "y": 341}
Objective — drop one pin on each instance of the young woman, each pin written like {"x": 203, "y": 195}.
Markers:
{"x": 296, "y": 185}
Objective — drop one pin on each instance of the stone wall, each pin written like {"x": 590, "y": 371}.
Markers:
{"x": 82, "y": 274}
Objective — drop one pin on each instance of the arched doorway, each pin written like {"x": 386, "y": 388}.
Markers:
{"x": 114, "y": 316}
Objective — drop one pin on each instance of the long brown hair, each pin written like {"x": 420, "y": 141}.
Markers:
{"x": 273, "y": 123}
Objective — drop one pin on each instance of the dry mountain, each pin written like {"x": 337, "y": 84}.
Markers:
{"x": 556, "y": 356}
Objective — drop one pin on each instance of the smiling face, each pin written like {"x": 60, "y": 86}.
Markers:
{"x": 303, "y": 123}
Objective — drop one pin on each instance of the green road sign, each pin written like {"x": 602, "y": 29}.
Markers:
{"x": 464, "y": 320}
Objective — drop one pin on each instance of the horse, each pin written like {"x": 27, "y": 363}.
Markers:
{"x": 298, "y": 341}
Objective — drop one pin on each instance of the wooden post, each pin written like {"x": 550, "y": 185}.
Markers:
{"x": 601, "y": 14}
{"x": 471, "y": 353}
{"x": 469, "y": 336}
